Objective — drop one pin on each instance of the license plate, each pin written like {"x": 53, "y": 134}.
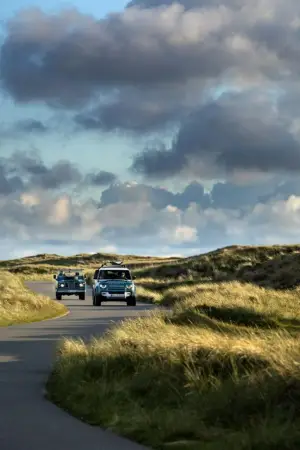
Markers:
{"x": 117, "y": 295}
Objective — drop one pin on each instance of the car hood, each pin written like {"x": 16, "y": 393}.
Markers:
{"x": 115, "y": 282}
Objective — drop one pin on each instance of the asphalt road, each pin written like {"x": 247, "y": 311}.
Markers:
{"x": 27, "y": 420}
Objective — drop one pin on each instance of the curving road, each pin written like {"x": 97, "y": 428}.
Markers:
{"x": 27, "y": 420}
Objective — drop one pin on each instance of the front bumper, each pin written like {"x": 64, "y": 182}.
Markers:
{"x": 70, "y": 291}
{"x": 116, "y": 296}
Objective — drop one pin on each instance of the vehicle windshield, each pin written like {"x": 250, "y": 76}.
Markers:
{"x": 114, "y": 275}
{"x": 70, "y": 275}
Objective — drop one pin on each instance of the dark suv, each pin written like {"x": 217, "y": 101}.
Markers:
{"x": 70, "y": 282}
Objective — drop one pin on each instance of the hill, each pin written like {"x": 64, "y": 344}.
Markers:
{"x": 276, "y": 266}
{"x": 218, "y": 371}
{"x": 43, "y": 266}
{"x": 269, "y": 266}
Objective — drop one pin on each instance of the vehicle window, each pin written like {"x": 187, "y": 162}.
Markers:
{"x": 114, "y": 275}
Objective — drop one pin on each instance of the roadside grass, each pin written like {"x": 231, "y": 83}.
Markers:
{"x": 276, "y": 266}
{"x": 221, "y": 370}
{"x": 18, "y": 304}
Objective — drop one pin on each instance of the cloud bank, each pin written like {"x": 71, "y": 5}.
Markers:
{"x": 219, "y": 78}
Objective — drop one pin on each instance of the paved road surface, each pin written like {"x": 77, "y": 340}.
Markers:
{"x": 27, "y": 420}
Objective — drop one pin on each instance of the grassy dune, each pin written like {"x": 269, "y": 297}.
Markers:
{"x": 269, "y": 266}
{"x": 43, "y": 266}
{"x": 220, "y": 371}
{"x": 19, "y": 304}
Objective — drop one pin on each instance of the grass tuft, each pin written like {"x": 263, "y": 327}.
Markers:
{"x": 18, "y": 304}
{"x": 221, "y": 370}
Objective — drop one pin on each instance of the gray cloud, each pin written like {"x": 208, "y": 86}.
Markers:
{"x": 158, "y": 198}
{"x": 185, "y": 222}
{"x": 188, "y": 4}
{"x": 8, "y": 183}
{"x": 30, "y": 125}
{"x": 101, "y": 178}
{"x": 223, "y": 195}
{"x": 237, "y": 132}
{"x": 26, "y": 170}
{"x": 150, "y": 65}
{"x": 56, "y": 176}
{"x": 67, "y": 58}
{"x": 137, "y": 110}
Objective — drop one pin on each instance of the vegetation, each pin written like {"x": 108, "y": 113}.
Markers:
{"x": 269, "y": 266}
{"x": 220, "y": 370}
{"x": 19, "y": 304}
{"x": 43, "y": 266}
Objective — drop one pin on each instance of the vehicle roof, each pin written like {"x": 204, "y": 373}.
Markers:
{"x": 70, "y": 270}
{"x": 113, "y": 268}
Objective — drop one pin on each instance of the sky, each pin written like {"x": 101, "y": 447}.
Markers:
{"x": 151, "y": 127}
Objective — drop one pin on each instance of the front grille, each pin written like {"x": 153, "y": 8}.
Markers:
{"x": 116, "y": 288}
{"x": 71, "y": 285}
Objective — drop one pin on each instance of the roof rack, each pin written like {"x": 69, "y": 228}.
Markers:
{"x": 70, "y": 270}
{"x": 113, "y": 264}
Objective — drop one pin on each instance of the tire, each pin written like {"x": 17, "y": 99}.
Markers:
{"x": 131, "y": 301}
{"x": 58, "y": 296}
{"x": 81, "y": 296}
{"x": 97, "y": 301}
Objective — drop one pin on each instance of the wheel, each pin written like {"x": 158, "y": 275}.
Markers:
{"x": 58, "y": 296}
{"x": 131, "y": 301}
{"x": 97, "y": 301}
{"x": 81, "y": 296}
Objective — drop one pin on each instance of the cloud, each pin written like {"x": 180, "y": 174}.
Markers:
{"x": 146, "y": 68}
{"x": 237, "y": 132}
{"x": 158, "y": 197}
{"x": 26, "y": 170}
{"x": 68, "y": 58}
{"x": 30, "y": 125}
{"x": 9, "y": 183}
{"x": 139, "y": 110}
{"x": 188, "y": 4}
{"x": 101, "y": 178}
{"x": 40, "y": 219}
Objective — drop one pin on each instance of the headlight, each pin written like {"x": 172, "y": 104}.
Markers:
{"x": 129, "y": 286}
{"x": 62, "y": 285}
{"x": 81, "y": 285}
{"x": 103, "y": 286}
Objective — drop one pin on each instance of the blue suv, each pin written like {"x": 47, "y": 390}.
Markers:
{"x": 114, "y": 282}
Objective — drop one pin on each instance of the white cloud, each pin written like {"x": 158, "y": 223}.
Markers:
{"x": 40, "y": 220}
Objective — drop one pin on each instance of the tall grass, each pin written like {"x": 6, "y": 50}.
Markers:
{"x": 18, "y": 304}
{"x": 221, "y": 371}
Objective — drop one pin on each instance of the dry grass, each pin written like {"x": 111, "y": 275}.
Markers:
{"x": 270, "y": 266}
{"x": 221, "y": 371}
{"x": 42, "y": 267}
{"x": 19, "y": 304}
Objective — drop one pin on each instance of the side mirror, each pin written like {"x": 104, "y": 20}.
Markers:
{"x": 134, "y": 277}
{"x": 54, "y": 276}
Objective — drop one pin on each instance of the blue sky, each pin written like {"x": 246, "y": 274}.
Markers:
{"x": 96, "y": 8}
